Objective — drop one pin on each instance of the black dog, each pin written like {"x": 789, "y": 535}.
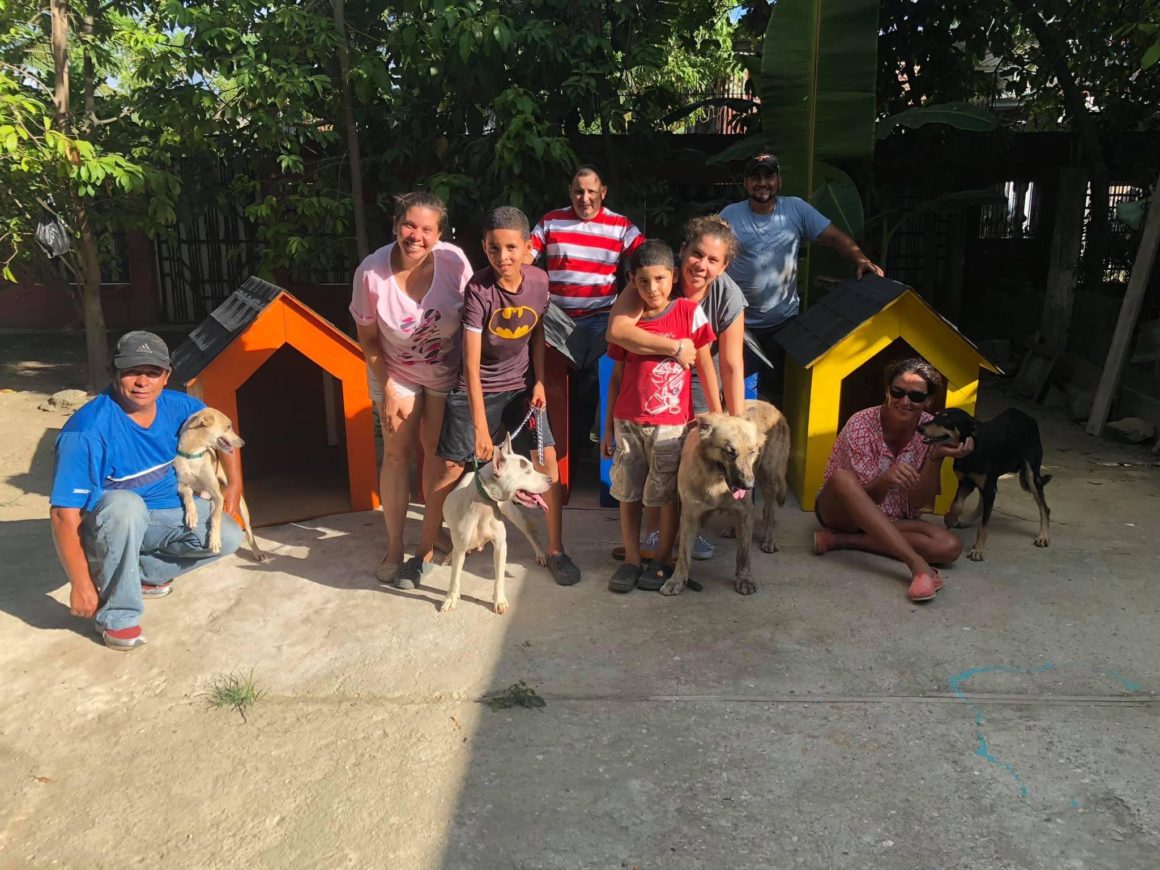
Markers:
{"x": 1007, "y": 444}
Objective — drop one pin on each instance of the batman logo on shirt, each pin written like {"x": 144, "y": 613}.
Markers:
{"x": 512, "y": 322}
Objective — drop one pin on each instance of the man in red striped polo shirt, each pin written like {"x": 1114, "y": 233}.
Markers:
{"x": 583, "y": 245}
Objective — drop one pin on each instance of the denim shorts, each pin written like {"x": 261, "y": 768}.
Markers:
{"x": 504, "y": 412}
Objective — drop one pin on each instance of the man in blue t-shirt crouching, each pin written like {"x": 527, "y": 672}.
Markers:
{"x": 117, "y": 520}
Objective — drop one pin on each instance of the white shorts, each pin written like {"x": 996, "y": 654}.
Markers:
{"x": 404, "y": 389}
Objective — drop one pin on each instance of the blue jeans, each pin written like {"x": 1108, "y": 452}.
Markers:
{"x": 127, "y": 545}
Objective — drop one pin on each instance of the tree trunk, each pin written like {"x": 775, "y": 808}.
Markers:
{"x": 88, "y": 258}
{"x": 1129, "y": 313}
{"x": 1055, "y": 57}
{"x": 352, "y": 144}
{"x": 1059, "y": 298}
{"x": 96, "y": 343}
{"x": 60, "y": 26}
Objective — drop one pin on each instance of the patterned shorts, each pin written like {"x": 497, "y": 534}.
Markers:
{"x": 644, "y": 465}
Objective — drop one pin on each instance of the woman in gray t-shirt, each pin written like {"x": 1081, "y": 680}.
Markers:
{"x": 708, "y": 247}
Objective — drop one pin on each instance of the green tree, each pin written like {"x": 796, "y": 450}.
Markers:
{"x": 486, "y": 95}
{"x": 70, "y": 147}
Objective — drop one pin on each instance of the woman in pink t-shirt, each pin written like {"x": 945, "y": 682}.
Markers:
{"x": 880, "y": 476}
{"x": 407, "y": 303}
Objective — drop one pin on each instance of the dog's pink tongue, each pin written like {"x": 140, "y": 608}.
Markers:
{"x": 740, "y": 493}
{"x": 534, "y": 498}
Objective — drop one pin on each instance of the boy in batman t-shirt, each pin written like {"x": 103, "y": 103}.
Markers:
{"x": 503, "y": 309}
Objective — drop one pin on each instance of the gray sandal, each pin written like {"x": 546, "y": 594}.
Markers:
{"x": 411, "y": 573}
{"x": 564, "y": 569}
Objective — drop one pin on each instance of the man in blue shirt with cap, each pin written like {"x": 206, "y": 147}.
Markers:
{"x": 769, "y": 232}
{"x": 117, "y": 520}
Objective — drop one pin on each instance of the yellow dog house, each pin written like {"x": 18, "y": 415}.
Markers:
{"x": 836, "y": 353}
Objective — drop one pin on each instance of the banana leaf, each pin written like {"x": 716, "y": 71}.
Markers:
{"x": 836, "y": 196}
{"x": 961, "y": 116}
{"x": 817, "y": 84}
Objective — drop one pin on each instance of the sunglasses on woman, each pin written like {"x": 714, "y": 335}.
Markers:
{"x": 916, "y": 396}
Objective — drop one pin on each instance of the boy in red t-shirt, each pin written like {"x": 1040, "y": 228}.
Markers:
{"x": 649, "y": 406}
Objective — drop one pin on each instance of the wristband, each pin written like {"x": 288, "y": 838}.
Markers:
{"x": 680, "y": 347}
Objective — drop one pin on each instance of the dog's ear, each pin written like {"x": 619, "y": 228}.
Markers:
{"x": 706, "y": 426}
{"x": 197, "y": 421}
{"x": 499, "y": 456}
{"x": 507, "y": 443}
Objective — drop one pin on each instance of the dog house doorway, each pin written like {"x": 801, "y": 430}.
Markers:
{"x": 295, "y": 458}
{"x": 864, "y": 386}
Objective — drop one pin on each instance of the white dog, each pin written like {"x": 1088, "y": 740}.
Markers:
{"x": 475, "y": 511}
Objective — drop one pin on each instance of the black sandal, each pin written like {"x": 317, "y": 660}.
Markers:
{"x": 625, "y": 578}
{"x": 654, "y": 576}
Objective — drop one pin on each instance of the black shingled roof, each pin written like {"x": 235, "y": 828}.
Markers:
{"x": 224, "y": 324}
{"x": 836, "y": 315}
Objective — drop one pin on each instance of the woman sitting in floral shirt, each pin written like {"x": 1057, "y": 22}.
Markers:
{"x": 881, "y": 474}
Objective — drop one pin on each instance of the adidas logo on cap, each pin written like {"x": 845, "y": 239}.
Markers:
{"x": 144, "y": 348}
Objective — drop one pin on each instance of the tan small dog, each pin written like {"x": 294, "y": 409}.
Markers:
{"x": 200, "y": 471}
{"x": 723, "y": 458}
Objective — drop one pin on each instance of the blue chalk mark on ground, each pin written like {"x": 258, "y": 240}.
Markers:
{"x": 1129, "y": 685}
{"x": 983, "y": 750}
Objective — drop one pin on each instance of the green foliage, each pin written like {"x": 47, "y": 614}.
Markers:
{"x": 486, "y": 95}
{"x": 100, "y": 166}
{"x": 961, "y": 116}
{"x": 951, "y": 50}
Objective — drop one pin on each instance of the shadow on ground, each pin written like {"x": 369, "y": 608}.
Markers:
{"x": 25, "y": 366}
{"x": 38, "y": 479}
{"x": 26, "y": 592}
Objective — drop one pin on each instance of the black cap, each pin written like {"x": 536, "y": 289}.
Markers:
{"x": 140, "y": 348}
{"x": 762, "y": 161}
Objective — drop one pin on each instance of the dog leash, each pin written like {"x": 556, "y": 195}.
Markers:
{"x": 536, "y": 417}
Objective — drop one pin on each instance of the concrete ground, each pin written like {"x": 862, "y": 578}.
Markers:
{"x": 824, "y": 722}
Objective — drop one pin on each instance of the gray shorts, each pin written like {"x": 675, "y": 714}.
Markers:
{"x": 645, "y": 463}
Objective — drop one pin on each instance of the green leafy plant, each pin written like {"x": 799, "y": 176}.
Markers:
{"x": 235, "y": 691}
{"x": 516, "y": 695}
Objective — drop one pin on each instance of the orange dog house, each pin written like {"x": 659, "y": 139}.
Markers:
{"x": 295, "y": 386}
